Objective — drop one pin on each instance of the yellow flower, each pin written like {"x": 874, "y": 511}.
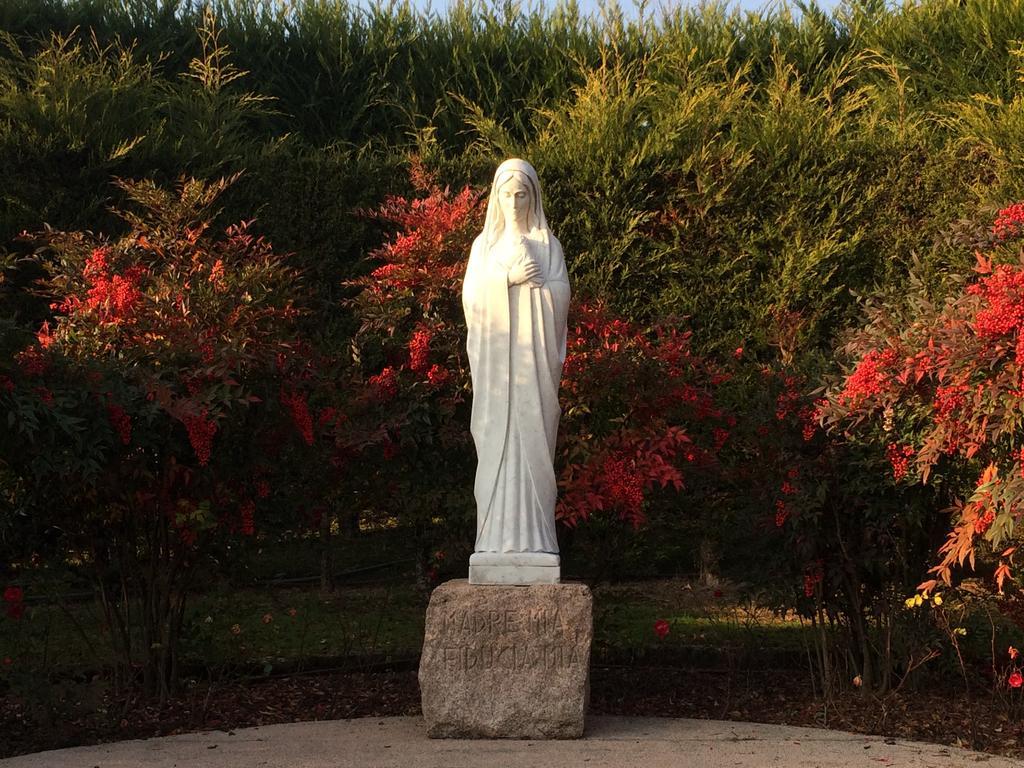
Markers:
{"x": 938, "y": 599}
{"x": 918, "y": 600}
{"x": 959, "y": 631}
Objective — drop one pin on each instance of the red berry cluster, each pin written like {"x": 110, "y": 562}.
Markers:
{"x": 869, "y": 378}
{"x": 296, "y": 404}
{"x": 984, "y": 521}
{"x": 122, "y": 422}
{"x": 625, "y": 485}
{"x": 385, "y": 384}
{"x": 813, "y": 575}
{"x": 1002, "y": 294}
{"x": 438, "y": 375}
{"x": 245, "y": 512}
{"x": 419, "y": 349}
{"x": 948, "y": 400}
{"x": 200, "y": 434}
{"x": 14, "y": 596}
{"x": 32, "y": 361}
{"x": 781, "y": 513}
{"x": 899, "y": 457}
{"x": 1009, "y": 221}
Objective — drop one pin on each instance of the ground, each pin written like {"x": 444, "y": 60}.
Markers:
{"x": 783, "y": 697}
{"x": 283, "y": 654}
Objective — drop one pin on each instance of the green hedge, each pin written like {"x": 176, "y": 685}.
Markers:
{"x": 733, "y": 168}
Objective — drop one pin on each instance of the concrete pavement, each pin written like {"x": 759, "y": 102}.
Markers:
{"x": 610, "y": 742}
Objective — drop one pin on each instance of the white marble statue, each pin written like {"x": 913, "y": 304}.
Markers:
{"x": 516, "y": 299}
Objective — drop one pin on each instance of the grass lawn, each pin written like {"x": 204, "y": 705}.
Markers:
{"x": 625, "y": 616}
{"x": 383, "y": 623}
{"x": 268, "y": 626}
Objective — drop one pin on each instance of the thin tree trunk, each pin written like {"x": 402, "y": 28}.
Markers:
{"x": 326, "y": 554}
{"x": 708, "y": 563}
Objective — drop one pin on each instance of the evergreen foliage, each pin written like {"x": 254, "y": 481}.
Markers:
{"x": 703, "y": 162}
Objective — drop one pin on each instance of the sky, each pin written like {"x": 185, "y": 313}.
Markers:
{"x": 745, "y": 5}
{"x": 630, "y": 10}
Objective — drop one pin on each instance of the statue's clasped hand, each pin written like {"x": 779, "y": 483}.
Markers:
{"x": 525, "y": 270}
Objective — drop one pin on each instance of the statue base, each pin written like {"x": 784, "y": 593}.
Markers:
{"x": 506, "y": 662}
{"x": 514, "y": 568}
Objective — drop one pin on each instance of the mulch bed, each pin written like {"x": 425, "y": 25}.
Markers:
{"x": 783, "y": 697}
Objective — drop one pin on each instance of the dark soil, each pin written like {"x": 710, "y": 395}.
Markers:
{"x": 784, "y": 697}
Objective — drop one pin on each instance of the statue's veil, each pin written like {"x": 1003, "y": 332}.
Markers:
{"x": 495, "y": 220}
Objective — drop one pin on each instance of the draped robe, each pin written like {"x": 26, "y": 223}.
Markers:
{"x": 516, "y": 345}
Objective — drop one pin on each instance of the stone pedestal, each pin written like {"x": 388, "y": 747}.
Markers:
{"x": 506, "y": 661}
{"x": 514, "y": 568}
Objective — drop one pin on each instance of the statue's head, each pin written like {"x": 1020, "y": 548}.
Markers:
{"x": 515, "y": 195}
{"x": 515, "y": 198}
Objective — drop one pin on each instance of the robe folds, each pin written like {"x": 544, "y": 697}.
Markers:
{"x": 516, "y": 345}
